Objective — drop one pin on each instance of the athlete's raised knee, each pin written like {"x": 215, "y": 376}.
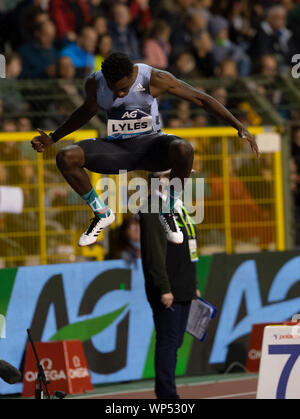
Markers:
{"x": 181, "y": 150}
{"x": 69, "y": 157}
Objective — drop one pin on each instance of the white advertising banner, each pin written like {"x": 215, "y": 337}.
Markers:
{"x": 279, "y": 372}
{"x": 11, "y": 199}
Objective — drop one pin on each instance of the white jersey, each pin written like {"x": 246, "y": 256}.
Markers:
{"x": 136, "y": 113}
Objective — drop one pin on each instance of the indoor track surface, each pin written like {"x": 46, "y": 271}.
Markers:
{"x": 231, "y": 386}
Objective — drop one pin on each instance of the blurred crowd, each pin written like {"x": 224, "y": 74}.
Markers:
{"x": 192, "y": 38}
{"x": 295, "y": 180}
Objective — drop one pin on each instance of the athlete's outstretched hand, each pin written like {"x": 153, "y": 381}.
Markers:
{"x": 41, "y": 142}
{"x": 243, "y": 133}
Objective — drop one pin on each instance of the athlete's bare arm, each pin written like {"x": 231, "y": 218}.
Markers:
{"x": 162, "y": 82}
{"x": 77, "y": 119}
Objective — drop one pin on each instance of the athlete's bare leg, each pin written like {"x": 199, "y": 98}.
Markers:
{"x": 70, "y": 161}
{"x": 181, "y": 157}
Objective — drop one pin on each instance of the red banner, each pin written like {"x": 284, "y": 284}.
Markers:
{"x": 255, "y": 346}
{"x": 64, "y": 364}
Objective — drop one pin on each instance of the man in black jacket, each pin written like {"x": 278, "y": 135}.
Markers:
{"x": 274, "y": 38}
{"x": 171, "y": 285}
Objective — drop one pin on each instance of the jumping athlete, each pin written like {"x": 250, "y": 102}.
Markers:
{"x": 128, "y": 93}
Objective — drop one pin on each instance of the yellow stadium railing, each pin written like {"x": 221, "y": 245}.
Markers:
{"x": 244, "y": 208}
{"x": 36, "y": 241}
{"x": 265, "y": 232}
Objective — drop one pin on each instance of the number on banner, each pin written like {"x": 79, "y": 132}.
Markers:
{"x": 294, "y": 352}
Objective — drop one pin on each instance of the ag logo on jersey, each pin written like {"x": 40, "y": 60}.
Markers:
{"x": 132, "y": 114}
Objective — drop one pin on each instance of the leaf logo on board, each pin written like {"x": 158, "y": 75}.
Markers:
{"x": 86, "y": 329}
{"x": 53, "y": 294}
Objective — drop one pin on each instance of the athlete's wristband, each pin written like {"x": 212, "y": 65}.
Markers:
{"x": 53, "y": 136}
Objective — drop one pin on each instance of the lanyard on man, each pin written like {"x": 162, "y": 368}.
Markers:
{"x": 191, "y": 231}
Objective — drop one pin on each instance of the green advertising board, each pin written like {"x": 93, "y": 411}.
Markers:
{"x": 105, "y": 306}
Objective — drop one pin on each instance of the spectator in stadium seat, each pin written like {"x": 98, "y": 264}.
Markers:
{"x": 9, "y": 125}
{"x": 24, "y": 124}
{"x": 13, "y": 65}
{"x": 100, "y": 25}
{"x": 39, "y": 57}
{"x": 195, "y": 22}
{"x": 97, "y": 8}
{"x": 13, "y": 99}
{"x": 157, "y": 47}
{"x": 65, "y": 68}
{"x": 35, "y": 18}
{"x": 268, "y": 66}
{"x": 65, "y": 73}
{"x": 295, "y": 147}
{"x": 199, "y": 121}
{"x": 183, "y": 113}
{"x": 205, "y": 5}
{"x": 141, "y": 15}
{"x": 227, "y": 69}
{"x": 104, "y": 48}
{"x": 274, "y": 38}
{"x": 69, "y": 16}
{"x": 202, "y": 48}
{"x": 82, "y": 51}
{"x": 123, "y": 35}
{"x": 185, "y": 67}
{"x": 289, "y": 5}
{"x": 224, "y": 48}
{"x": 293, "y": 21}
{"x": 173, "y": 122}
{"x": 173, "y": 11}
{"x": 129, "y": 240}
{"x": 220, "y": 94}
{"x": 19, "y": 23}
{"x": 240, "y": 29}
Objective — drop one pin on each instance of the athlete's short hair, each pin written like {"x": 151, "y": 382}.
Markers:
{"x": 116, "y": 66}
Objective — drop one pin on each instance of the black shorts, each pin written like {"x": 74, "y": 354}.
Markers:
{"x": 143, "y": 152}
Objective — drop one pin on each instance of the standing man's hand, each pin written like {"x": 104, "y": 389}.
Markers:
{"x": 198, "y": 294}
{"x": 245, "y": 134}
{"x": 167, "y": 299}
{"x": 41, "y": 142}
